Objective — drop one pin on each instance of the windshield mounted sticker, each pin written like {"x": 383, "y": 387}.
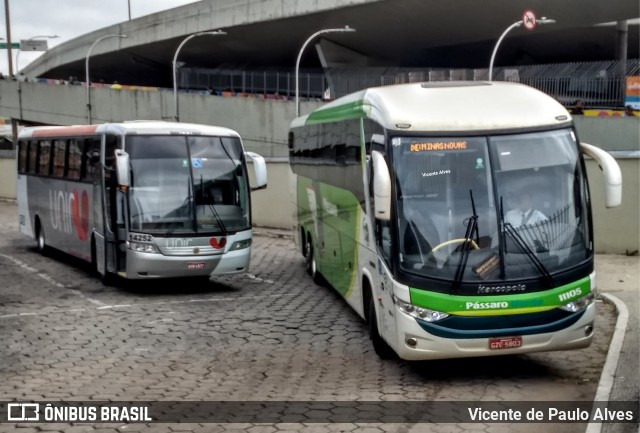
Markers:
{"x": 438, "y": 145}
{"x": 436, "y": 173}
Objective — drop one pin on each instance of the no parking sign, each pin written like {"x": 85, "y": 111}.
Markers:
{"x": 529, "y": 19}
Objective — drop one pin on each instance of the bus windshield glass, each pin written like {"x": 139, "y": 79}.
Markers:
{"x": 187, "y": 184}
{"x": 491, "y": 208}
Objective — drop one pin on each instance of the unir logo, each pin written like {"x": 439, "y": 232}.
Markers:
{"x": 70, "y": 212}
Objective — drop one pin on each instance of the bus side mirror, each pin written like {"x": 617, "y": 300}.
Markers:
{"x": 122, "y": 168}
{"x": 611, "y": 172}
{"x": 381, "y": 187}
{"x": 260, "y": 170}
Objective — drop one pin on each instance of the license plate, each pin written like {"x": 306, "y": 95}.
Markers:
{"x": 195, "y": 265}
{"x": 505, "y": 343}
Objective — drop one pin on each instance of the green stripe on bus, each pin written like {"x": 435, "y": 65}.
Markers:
{"x": 351, "y": 110}
{"x": 503, "y": 304}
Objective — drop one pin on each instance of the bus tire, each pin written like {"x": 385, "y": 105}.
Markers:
{"x": 109, "y": 279}
{"x": 382, "y": 349}
{"x": 41, "y": 240}
{"x": 303, "y": 242}
{"x": 312, "y": 264}
{"x": 94, "y": 259}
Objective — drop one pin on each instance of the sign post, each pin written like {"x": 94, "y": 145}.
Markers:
{"x": 529, "y": 21}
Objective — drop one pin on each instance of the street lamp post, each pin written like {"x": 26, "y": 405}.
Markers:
{"x": 86, "y": 70}
{"x": 18, "y": 67}
{"x": 7, "y": 17}
{"x": 31, "y": 39}
{"x": 542, "y": 20}
{"x": 174, "y": 66}
{"x": 318, "y": 33}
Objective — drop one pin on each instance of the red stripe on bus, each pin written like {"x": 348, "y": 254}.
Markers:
{"x": 61, "y": 130}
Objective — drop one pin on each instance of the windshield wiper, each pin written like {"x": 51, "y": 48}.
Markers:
{"x": 472, "y": 228}
{"x": 213, "y": 209}
{"x": 508, "y": 228}
{"x": 192, "y": 205}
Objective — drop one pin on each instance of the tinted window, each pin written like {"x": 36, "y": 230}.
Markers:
{"x": 44, "y": 158}
{"x": 59, "y": 154}
{"x": 75, "y": 159}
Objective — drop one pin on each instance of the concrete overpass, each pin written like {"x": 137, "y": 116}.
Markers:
{"x": 264, "y": 123}
{"x": 268, "y": 34}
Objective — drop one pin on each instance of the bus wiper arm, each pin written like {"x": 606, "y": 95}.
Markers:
{"x": 192, "y": 205}
{"x": 529, "y": 253}
{"x": 213, "y": 209}
{"x": 472, "y": 228}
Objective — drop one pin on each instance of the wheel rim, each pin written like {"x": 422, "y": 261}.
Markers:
{"x": 313, "y": 266}
{"x": 41, "y": 240}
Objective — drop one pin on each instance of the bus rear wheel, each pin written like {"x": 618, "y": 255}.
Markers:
{"x": 312, "y": 265}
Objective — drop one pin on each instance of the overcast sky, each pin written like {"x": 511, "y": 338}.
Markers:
{"x": 68, "y": 19}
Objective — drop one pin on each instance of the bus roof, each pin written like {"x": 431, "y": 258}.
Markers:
{"x": 132, "y": 127}
{"x": 451, "y": 106}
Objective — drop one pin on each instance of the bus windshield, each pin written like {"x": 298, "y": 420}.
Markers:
{"x": 187, "y": 184}
{"x": 490, "y": 208}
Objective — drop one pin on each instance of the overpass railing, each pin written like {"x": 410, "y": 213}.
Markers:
{"x": 597, "y": 84}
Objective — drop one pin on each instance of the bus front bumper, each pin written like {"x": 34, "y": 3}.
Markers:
{"x": 142, "y": 265}
{"x": 414, "y": 343}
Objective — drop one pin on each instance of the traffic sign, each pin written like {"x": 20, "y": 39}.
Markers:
{"x": 33, "y": 45}
{"x": 529, "y": 19}
{"x": 14, "y": 45}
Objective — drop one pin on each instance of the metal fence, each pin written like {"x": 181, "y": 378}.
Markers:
{"x": 597, "y": 84}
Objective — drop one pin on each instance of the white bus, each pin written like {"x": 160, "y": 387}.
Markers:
{"x": 141, "y": 199}
{"x": 454, "y": 217}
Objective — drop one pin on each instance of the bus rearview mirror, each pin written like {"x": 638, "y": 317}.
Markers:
{"x": 381, "y": 187}
{"x": 122, "y": 168}
{"x": 611, "y": 172}
{"x": 260, "y": 170}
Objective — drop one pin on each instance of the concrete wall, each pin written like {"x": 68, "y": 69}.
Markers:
{"x": 616, "y": 230}
{"x": 263, "y": 124}
{"x": 7, "y": 174}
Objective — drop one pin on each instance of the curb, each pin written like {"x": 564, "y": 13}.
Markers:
{"x": 272, "y": 232}
{"x": 613, "y": 355}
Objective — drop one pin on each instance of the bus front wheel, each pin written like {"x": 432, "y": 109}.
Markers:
{"x": 41, "y": 242}
{"x": 383, "y": 350}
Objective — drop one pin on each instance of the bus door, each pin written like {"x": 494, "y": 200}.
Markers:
{"x": 113, "y": 211}
{"x": 383, "y": 291}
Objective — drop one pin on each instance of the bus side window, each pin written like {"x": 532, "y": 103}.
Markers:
{"x": 112, "y": 143}
{"x": 75, "y": 159}
{"x": 32, "y": 165}
{"x": 59, "y": 156}
{"x": 44, "y": 158}
{"x": 22, "y": 156}
{"x": 91, "y": 159}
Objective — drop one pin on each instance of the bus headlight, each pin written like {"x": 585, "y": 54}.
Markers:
{"x": 142, "y": 247}
{"x": 419, "y": 312}
{"x": 579, "y": 304}
{"x": 240, "y": 245}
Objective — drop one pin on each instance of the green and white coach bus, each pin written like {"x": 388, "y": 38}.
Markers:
{"x": 453, "y": 217}
{"x": 141, "y": 199}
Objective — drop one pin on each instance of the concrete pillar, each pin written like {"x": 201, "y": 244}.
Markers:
{"x": 622, "y": 31}
{"x": 14, "y": 132}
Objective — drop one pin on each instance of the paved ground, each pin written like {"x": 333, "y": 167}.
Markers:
{"x": 267, "y": 336}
